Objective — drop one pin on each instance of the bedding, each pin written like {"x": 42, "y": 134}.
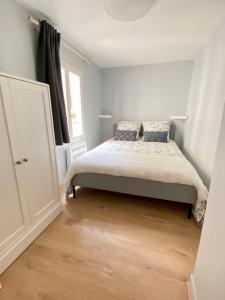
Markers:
{"x": 129, "y": 125}
{"x": 156, "y": 125}
{"x": 156, "y": 131}
{"x": 156, "y": 136}
{"x": 162, "y": 162}
{"x": 126, "y": 135}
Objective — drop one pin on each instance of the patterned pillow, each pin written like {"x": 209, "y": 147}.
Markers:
{"x": 126, "y": 135}
{"x": 156, "y": 131}
{"x": 129, "y": 125}
{"x": 155, "y": 136}
{"x": 156, "y": 125}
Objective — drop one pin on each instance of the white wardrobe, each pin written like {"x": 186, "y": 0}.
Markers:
{"x": 29, "y": 196}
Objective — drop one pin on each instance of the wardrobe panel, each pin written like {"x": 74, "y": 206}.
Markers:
{"x": 32, "y": 115}
{"x": 13, "y": 217}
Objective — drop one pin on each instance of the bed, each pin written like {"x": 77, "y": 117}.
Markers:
{"x": 156, "y": 170}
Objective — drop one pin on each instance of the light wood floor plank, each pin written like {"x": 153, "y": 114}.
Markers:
{"x": 108, "y": 246}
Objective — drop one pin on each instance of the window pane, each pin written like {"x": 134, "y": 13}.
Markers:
{"x": 75, "y": 113}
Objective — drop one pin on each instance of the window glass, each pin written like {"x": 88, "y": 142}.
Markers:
{"x": 75, "y": 110}
{"x": 71, "y": 81}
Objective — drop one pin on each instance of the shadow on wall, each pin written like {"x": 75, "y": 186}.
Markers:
{"x": 176, "y": 133}
{"x": 204, "y": 176}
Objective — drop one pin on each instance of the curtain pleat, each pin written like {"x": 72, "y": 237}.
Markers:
{"x": 49, "y": 71}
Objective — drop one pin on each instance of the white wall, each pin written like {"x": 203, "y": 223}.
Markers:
{"x": 209, "y": 273}
{"x": 146, "y": 92}
{"x": 205, "y": 106}
{"x": 205, "y": 141}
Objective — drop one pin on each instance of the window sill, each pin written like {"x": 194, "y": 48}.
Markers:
{"x": 78, "y": 139}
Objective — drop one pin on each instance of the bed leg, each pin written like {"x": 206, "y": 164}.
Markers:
{"x": 189, "y": 211}
{"x": 74, "y": 192}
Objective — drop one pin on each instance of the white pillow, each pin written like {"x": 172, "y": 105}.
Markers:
{"x": 129, "y": 125}
{"x": 156, "y": 126}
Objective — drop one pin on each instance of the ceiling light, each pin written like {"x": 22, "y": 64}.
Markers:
{"x": 128, "y": 10}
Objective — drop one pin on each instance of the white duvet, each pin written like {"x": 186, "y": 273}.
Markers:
{"x": 162, "y": 162}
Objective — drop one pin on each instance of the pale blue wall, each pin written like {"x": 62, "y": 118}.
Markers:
{"x": 146, "y": 93}
{"x": 18, "y": 56}
{"x": 17, "y": 41}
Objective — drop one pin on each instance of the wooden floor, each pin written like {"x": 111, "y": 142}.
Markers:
{"x": 108, "y": 246}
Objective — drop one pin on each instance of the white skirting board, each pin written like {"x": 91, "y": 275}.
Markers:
{"x": 193, "y": 288}
{"x": 17, "y": 248}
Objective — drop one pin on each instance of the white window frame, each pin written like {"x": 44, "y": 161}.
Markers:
{"x": 78, "y": 72}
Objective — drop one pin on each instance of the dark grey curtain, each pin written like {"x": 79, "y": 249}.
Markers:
{"x": 49, "y": 71}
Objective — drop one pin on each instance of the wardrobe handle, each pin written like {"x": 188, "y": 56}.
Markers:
{"x": 18, "y": 162}
{"x": 25, "y": 159}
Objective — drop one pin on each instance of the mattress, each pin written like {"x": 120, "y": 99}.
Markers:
{"x": 156, "y": 162}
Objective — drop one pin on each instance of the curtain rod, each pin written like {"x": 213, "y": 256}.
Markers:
{"x": 35, "y": 24}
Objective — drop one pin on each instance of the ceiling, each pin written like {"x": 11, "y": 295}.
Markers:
{"x": 173, "y": 30}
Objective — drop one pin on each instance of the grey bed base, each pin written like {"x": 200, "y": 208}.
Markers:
{"x": 139, "y": 187}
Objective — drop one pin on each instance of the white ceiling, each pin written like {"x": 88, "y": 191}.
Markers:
{"x": 173, "y": 30}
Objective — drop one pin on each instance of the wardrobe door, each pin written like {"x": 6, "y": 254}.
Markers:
{"x": 32, "y": 115}
{"x": 14, "y": 216}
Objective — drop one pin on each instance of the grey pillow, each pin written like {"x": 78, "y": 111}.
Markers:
{"x": 156, "y": 136}
{"x": 126, "y": 135}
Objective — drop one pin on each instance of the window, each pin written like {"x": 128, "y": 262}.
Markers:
{"x": 72, "y": 88}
